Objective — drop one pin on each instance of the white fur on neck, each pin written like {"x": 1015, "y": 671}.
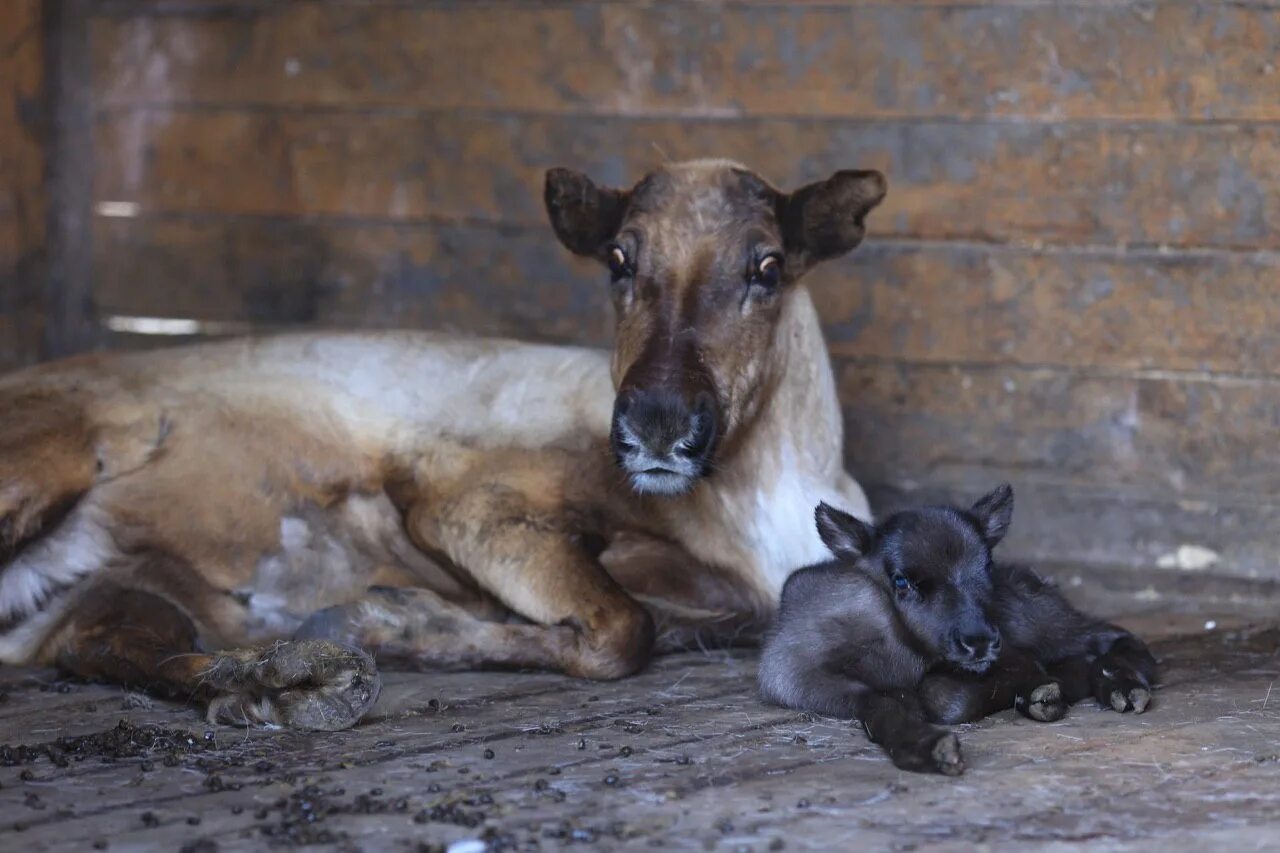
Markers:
{"x": 800, "y": 438}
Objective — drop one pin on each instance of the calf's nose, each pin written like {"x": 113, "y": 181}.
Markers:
{"x": 978, "y": 644}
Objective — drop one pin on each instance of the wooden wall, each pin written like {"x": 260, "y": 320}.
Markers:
{"x": 1073, "y": 283}
{"x": 22, "y": 190}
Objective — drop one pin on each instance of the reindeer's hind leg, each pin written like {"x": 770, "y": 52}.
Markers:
{"x": 47, "y": 461}
{"x": 124, "y": 635}
{"x": 1089, "y": 657}
{"x": 1120, "y": 678}
{"x": 1016, "y": 680}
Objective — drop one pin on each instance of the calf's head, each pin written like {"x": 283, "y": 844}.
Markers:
{"x": 699, "y": 256}
{"x": 936, "y": 564}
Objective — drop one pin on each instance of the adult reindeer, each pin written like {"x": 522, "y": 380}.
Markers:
{"x": 168, "y": 518}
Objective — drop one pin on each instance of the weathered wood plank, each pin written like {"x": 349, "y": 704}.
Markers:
{"x": 484, "y": 280}
{"x": 1183, "y": 437}
{"x": 1060, "y": 520}
{"x": 1209, "y": 185}
{"x": 1109, "y": 466}
{"x": 1088, "y": 310}
{"x": 930, "y": 303}
{"x": 718, "y": 769}
{"x": 22, "y": 201}
{"x": 1122, "y": 60}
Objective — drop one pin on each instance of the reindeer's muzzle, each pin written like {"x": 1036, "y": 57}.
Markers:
{"x": 663, "y": 441}
{"x": 975, "y": 649}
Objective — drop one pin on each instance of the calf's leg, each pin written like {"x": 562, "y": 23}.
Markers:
{"x": 896, "y": 721}
{"x": 1016, "y": 680}
{"x": 1088, "y": 656}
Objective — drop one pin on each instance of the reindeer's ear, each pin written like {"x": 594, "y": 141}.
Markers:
{"x": 994, "y": 511}
{"x": 825, "y": 220}
{"x": 585, "y": 217}
{"x": 847, "y": 537}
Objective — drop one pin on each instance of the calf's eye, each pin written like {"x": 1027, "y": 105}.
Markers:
{"x": 768, "y": 272}
{"x": 901, "y": 584}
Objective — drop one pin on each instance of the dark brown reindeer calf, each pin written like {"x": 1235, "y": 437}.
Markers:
{"x": 913, "y": 625}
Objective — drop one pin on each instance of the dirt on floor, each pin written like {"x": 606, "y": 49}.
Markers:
{"x": 682, "y": 757}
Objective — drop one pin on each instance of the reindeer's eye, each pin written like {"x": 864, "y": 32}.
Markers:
{"x": 619, "y": 266}
{"x": 768, "y": 272}
{"x": 901, "y": 584}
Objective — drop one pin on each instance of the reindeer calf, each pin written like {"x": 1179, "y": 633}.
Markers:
{"x": 913, "y": 624}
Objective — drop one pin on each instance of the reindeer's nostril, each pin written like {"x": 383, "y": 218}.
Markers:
{"x": 977, "y": 644}
{"x": 622, "y": 404}
{"x": 704, "y": 403}
{"x": 702, "y": 427}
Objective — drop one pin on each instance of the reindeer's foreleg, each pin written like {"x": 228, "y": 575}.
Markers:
{"x": 896, "y": 721}
{"x": 694, "y": 606}
{"x": 507, "y": 527}
{"x": 893, "y": 718}
{"x": 516, "y": 540}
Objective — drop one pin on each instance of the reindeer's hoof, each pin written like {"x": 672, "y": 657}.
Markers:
{"x": 1136, "y": 700}
{"x": 937, "y": 751}
{"x": 1044, "y": 704}
{"x": 306, "y": 684}
{"x": 946, "y": 756}
{"x": 1120, "y": 689}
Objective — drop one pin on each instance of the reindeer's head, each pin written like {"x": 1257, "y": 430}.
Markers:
{"x": 936, "y": 564}
{"x": 699, "y": 255}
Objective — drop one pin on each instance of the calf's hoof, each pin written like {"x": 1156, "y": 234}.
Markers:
{"x": 304, "y": 684}
{"x": 946, "y": 756}
{"x": 1118, "y": 687}
{"x": 937, "y": 752}
{"x": 1044, "y": 704}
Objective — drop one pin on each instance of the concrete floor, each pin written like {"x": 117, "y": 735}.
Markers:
{"x": 680, "y": 757}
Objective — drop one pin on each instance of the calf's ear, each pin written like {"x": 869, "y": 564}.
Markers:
{"x": 993, "y": 511}
{"x": 826, "y": 219}
{"x": 585, "y": 217}
{"x": 847, "y": 537}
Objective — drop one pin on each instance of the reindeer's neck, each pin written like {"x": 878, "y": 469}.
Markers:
{"x": 761, "y": 501}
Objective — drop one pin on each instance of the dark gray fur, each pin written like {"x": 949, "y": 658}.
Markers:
{"x": 914, "y": 624}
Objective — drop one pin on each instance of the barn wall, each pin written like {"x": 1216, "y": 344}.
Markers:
{"x": 1073, "y": 283}
{"x": 22, "y": 193}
